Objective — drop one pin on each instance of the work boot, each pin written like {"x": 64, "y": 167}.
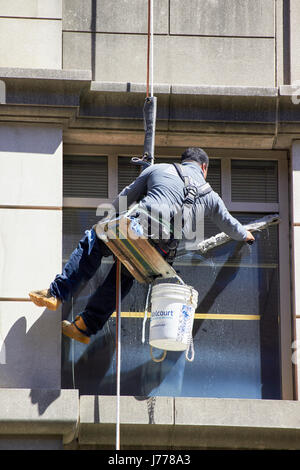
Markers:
{"x": 76, "y": 330}
{"x": 43, "y": 298}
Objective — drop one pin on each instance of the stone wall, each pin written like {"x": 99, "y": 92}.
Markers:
{"x": 30, "y": 253}
{"x": 31, "y": 34}
{"x": 198, "y": 42}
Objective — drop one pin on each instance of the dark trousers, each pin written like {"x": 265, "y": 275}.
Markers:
{"x": 81, "y": 266}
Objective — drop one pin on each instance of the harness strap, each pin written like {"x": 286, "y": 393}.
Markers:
{"x": 191, "y": 191}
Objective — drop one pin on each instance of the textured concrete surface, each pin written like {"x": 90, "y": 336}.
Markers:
{"x": 241, "y": 413}
{"x": 224, "y": 90}
{"x": 45, "y": 74}
{"x": 31, "y": 443}
{"x": 31, "y": 158}
{"x": 222, "y": 17}
{"x": 133, "y": 410}
{"x": 26, "y": 235}
{"x": 128, "y": 87}
{"x": 32, "y": 8}
{"x": 187, "y": 423}
{"x": 30, "y": 352}
{"x": 146, "y": 423}
{"x": 122, "y": 87}
{"x": 140, "y": 418}
{"x": 183, "y": 60}
{"x": 42, "y": 413}
{"x": 295, "y": 40}
{"x": 31, "y": 43}
{"x": 120, "y": 16}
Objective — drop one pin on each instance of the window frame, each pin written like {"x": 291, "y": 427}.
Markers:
{"x": 286, "y": 321}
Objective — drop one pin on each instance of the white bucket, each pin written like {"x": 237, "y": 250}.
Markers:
{"x": 172, "y": 316}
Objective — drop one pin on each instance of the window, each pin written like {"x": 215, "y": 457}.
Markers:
{"x": 254, "y": 181}
{"x": 85, "y": 177}
{"x": 238, "y": 337}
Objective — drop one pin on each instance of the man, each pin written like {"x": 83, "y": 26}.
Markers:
{"x": 159, "y": 185}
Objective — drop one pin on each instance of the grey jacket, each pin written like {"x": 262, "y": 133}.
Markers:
{"x": 159, "y": 186}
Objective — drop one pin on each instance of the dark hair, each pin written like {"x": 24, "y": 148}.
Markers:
{"x": 195, "y": 154}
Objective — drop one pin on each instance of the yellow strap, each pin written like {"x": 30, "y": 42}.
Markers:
{"x": 199, "y": 316}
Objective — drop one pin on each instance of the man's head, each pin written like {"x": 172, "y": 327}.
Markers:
{"x": 196, "y": 154}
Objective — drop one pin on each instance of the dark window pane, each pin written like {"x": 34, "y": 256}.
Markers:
{"x": 85, "y": 177}
{"x": 214, "y": 175}
{"x": 127, "y": 172}
{"x": 75, "y": 223}
{"x": 254, "y": 181}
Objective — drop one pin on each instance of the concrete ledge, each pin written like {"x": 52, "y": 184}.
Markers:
{"x": 159, "y": 88}
{"x": 46, "y": 74}
{"x": 187, "y": 423}
{"x": 281, "y": 414}
{"x": 237, "y": 423}
{"x": 261, "y": 92}
{"x": 39, "y": 412}
{"x": 289, "y": 90}
{"x": 164, "y": 88}
{"x": 141, "y": 419}
{"x": 147, "y": 423}
{"x": 123, "y": 87}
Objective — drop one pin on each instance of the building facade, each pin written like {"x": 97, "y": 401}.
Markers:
{"x": 72, "y": 89}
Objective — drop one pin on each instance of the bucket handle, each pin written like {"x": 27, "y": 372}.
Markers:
{"x": 190, "y": 348}
{"x": 160, "y": 359}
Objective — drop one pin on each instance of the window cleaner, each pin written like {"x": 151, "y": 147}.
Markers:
{"x": 157, "y": 186}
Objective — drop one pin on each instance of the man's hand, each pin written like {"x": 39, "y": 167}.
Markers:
{"x": 250, "y": 238}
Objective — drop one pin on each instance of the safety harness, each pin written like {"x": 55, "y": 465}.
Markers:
{"x": 191, "y": 191}
{"x": 191, "y": 194}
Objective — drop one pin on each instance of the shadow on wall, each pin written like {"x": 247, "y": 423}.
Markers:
{"x": 30, "y": 361}
{"x": 22, "y": 139}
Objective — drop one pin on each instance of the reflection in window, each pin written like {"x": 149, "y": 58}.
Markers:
{"x": 235, "y": 331}
{"x": 75, "y": 223}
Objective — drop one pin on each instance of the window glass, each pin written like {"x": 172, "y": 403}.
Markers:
{"x": 75, "y": 223}
{"x": 85, "y": 177}
{"x": 236, "y": 345}
{"x": 127, "y": 172}
{"x": 254, "y": 181}
{"x": 214, "y": 174}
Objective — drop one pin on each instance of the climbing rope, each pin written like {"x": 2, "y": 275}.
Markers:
{"x": 146, "y": 313}
{"x": 146, "y": 160}
{"x": 149, "y": 87}
{"x": 118, "y": 349}
{"x": 149, "y": 109}
{"x": 73, "y": 348}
